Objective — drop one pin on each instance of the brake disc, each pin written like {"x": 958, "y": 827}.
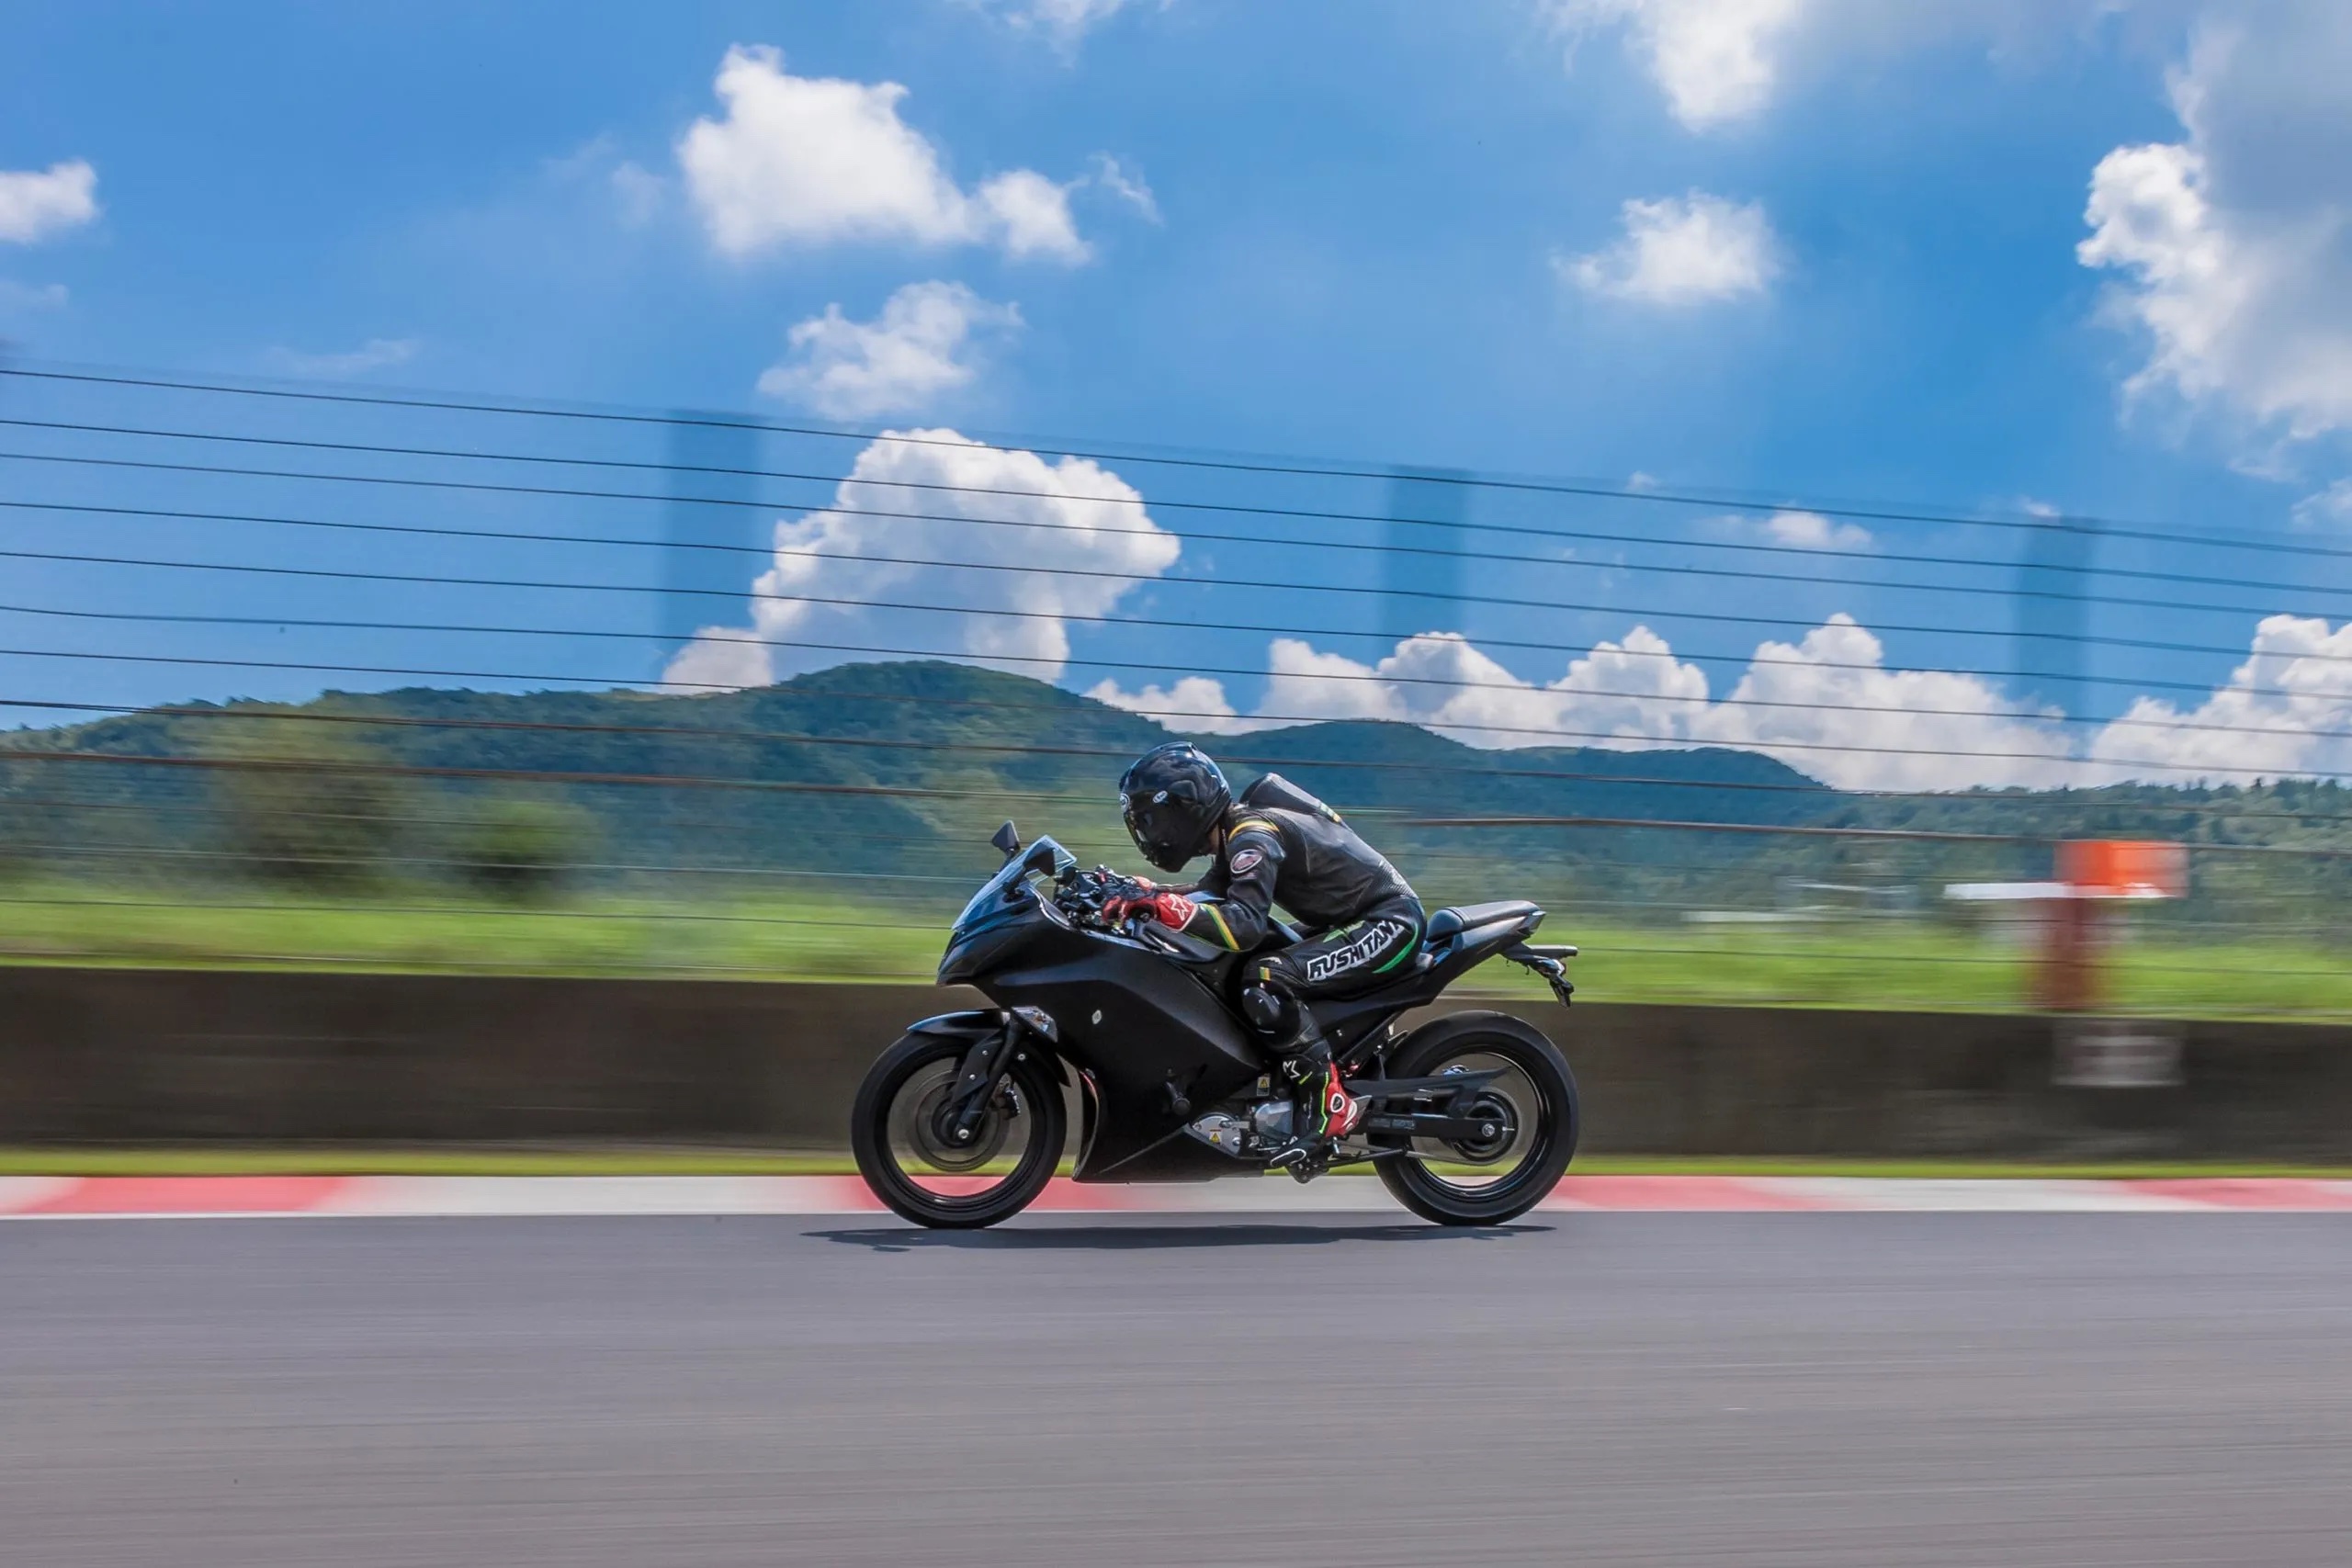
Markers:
{"x": 987, "y": 1137}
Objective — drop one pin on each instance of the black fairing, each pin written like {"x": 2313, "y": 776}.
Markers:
{"x": 1137, "y": 1024}
{"x": 1152, "y": 1027}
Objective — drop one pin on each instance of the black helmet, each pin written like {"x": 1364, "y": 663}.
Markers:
{"x": 1173, "y": 797}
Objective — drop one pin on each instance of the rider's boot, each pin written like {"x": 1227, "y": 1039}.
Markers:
{"x": 1323, "y": 1111}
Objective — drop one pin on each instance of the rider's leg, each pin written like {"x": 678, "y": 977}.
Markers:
{"x": 1278, "y": 1001}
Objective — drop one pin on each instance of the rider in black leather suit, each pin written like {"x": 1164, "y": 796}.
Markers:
{"x": 1276, "y": 845}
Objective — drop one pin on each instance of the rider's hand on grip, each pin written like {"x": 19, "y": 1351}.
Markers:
{"x": 1125, "y": 896}
{"x": 1170, "y": 909}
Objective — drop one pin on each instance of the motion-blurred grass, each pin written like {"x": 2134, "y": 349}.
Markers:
{"x": 812, "y": 934}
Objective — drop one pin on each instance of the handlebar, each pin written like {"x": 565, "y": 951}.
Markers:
{"x": 1081, "y": 895}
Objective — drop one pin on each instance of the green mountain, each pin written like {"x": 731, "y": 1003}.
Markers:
{"x": 896, "y": 773}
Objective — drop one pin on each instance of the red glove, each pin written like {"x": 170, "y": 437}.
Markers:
{"x": 1115, "y": 908}
{"x": 1170, "y": 909}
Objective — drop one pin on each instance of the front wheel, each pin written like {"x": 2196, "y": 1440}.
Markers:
{"x": 1532, "y": 1100}
{"x": 905, "y": 1156}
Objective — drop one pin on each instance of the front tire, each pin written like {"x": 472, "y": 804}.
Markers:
{"x": 1537, "y": 1099}
{"x": 1020, "y": 1139}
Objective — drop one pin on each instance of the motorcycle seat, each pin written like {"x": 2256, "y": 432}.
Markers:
{"x": 1446, "y": 923}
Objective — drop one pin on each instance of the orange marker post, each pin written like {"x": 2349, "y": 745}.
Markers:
{"x": 2095, "y": 874}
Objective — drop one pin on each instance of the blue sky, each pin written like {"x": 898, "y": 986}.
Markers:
{"x": 1785, "y": 252}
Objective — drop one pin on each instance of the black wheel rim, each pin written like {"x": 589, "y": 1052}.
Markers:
{"x": 1523, "y": 1117}
{"x": 948, "y": 1178}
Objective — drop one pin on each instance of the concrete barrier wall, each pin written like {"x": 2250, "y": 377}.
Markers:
{"x": 111, "y": 1057}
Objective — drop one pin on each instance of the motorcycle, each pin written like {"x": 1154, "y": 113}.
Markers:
{"x": 1470, "y": 1118}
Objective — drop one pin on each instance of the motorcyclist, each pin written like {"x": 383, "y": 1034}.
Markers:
{"x": 1276, "y": 845}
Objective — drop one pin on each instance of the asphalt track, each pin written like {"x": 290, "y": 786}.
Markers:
{"x": 1803, "y": 1390}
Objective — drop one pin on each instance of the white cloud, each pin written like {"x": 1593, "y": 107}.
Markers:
{"x": 1063, "y": 22}
{"x": 1010, "y": 617}
{"x": 920, "y": 346}
{"x": 2233, "y": 248}
{"x": 1827, "y": 706}
{"x": 376, "y": 354}
{"x": 1196, "y": 705}
{"x": 1126, "y": 184}
{"x": 802, "y": 160}
{"x": 722, "y": 657}
{"x": 1721, "y": 62}
{"x": 1714, "y": 60}
{"x": 1811, "y": 531}
{"x": 2330, "y": 507}
{"x": 36, "y": 204}
{"x": 2273, "y": 716}
{"x": 1633, "y": 692}
{"x": 1681, "y": 251}
{"x": 1793, "y": 529}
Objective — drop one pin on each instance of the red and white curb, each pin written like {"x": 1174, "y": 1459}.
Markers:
{"x": 46, "y": 1197}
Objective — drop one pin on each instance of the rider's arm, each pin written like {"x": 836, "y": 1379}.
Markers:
{"x": 1242, "y": 889}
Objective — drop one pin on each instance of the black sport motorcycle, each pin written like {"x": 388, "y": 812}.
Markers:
{"x": 1470, "y": 1118}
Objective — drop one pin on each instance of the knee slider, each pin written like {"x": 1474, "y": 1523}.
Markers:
{"x": 1269, "y": 1011}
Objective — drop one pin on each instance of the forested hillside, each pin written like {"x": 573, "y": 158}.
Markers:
{"x": 899, "y": 772}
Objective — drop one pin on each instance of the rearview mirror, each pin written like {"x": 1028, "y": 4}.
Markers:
{"x": 1007, "y": 840}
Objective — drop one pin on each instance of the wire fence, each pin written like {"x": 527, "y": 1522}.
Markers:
{"x": 307, "y": 676}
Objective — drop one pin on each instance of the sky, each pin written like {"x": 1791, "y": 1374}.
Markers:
{"x": 1786, "y": 339}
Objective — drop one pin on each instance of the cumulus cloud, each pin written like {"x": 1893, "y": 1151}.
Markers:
{"x": 802, "y": 160}
{"x": 1195, "y": 703}
{"x": 1677, "y": 251}
{"x": 1826, "y": 704}
{"x": 2233, "y": 248}
{"x": 1799, "y": 531}
{"x": 36, "y": 204}
{"x": 922, "y": 345}
{"x": 2287, "y": 710}
{"x": 1714, "y": 60}
{"x": 837, "y": 575}
{"x": 376, "y": 354}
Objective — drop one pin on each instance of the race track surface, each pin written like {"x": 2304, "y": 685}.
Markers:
{"x": 1803, "y": 1390}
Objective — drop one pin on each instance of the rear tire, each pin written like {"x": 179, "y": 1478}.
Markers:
{"x": 1028, "y": 1105}
{"x": 1552, "y": 1119}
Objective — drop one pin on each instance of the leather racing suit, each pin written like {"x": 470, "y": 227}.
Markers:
{"x": 1303, "y": 857}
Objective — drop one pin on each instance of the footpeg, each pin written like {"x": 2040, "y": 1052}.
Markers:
{"x": 1296, "y": 1160}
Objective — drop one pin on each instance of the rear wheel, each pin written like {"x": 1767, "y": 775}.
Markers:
{"x": 1530, "y": 1106}
{"x": 910, "y": 1158}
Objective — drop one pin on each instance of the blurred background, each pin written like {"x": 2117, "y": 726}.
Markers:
{"x": 314, "y": 678}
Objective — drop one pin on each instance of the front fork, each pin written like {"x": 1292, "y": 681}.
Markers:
{"x": 985, "y": 1067}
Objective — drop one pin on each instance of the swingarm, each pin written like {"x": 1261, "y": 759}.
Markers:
{"x": 1401, "y": 1105}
